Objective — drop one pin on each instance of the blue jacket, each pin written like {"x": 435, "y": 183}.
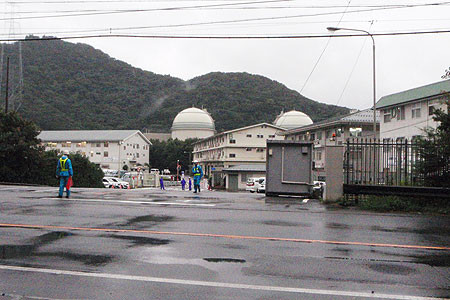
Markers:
{"x": 196, "y": 171}
{"x": 66, "y": 168}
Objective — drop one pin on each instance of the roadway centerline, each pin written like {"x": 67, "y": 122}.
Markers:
{"x": 212, "y": 235}
{"x": 216, "y": 284}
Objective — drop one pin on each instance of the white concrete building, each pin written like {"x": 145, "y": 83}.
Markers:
{"x": 335, "y": 131}
{"x": 246, "y": 145}
{"x": 405, "y": 115}
{"x": 192, "y": 123}
{"x": 111, "y": 149}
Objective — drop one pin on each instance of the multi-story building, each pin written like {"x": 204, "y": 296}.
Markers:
{"x": 246, "y": 145}
{"x": 405, "y": 115}
{"x": 110, "y": 149}
{"x": 335, "y": 131}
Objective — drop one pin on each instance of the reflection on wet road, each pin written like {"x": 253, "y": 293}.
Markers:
{"x": 121, "y": 245}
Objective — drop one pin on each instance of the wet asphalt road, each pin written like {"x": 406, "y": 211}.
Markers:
{"x": 151, "y": 244}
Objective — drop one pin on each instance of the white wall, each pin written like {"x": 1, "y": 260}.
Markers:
{"x": 183, "y": 135}
{"x": 409, "y": 127}
{"x": 106, "y": 154}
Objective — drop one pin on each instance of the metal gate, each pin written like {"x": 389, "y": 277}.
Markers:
{"x": 374, "y": 167}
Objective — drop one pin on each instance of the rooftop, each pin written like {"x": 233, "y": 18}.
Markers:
{"x": 425, "y": 91}
{"x": 359, "y": 117}
{"x": 246, "y": 168}
{"x": 88, "y": 135}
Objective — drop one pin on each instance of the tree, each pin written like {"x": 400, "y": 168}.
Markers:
{"x": 22, "y": 160}
{"x": 165, "y": 154}
{"x": 19, "y": 149}
{"x": 434, "y": 150}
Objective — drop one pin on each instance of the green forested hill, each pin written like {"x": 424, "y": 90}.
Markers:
{"x": 74, "y": 86}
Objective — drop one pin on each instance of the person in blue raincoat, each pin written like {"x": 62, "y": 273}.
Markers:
{"x": 183, "y": 183}
{"x": 63, "y": 172}
{"x": 197, "y": 171}
{"x": 161, "y": 183}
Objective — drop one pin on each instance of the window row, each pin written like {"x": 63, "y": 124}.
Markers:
{"x": 399, "y": 112}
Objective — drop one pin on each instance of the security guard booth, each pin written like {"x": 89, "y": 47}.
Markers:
{"x": 289, "y": 168}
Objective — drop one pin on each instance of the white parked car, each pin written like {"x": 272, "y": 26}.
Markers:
{"x": 261, "y": 185}
{"x": 253, "y": 184}
{"x": 113, "y": 182}
{"x": 123, "y": 184}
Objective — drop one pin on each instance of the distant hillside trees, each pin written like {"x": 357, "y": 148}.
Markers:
{"x": 74, "y": 86}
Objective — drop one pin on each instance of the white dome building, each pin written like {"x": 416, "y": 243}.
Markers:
{"x": 292, "y": 119}
{"x": 192, "y": 123}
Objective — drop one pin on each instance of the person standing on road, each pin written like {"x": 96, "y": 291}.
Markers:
{"x": 183, "y": 183}
{"x": 63, "y": 172}
{"x": 161, "y": 183}
{"x": 190, "y": 184}
{"x": 197, "y": 171}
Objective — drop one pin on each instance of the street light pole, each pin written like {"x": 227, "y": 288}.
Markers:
{"x": 373, "y": 74}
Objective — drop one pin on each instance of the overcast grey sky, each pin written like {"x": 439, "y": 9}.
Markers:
{"x": 342, "y": 75}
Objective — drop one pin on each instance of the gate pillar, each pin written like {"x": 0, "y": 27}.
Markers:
{"x": 334, "y": 173}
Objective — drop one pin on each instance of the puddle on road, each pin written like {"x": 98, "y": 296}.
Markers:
{"x": 343, "y": 251}
{"x": 88, "y": 259}
{"x": 225, "y": 260}
{"x": 337, "y": 226}
{"x": 149, "y": 218}
{"x": 139, "y": 240}
{"x": 51, "y": 237}
{"x": 430, "y": 258}
{"x": 423, "y": 231}
{"x": 16, "y": 251}
{"x": 391, "y": 269}
{"x": 31, "y": 250}
{"x": 441, "y": 260}
{"x": 285, "y": 223}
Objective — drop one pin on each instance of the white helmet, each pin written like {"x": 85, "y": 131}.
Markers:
{"x": 195, "y": 161}
{"x": 66, "y": 152}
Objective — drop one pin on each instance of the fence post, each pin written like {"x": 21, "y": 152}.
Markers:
{"x": 406, "y": 162}
{"x": 347, "y": 163}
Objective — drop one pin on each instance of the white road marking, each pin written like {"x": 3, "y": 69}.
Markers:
{"x": 134, "y": 202}
{"x": 217, "y": 284}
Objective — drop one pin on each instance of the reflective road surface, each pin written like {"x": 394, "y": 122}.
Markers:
{"x": 152, "y": 244}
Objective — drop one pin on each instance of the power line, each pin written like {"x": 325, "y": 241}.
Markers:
{"x": 323, "y": 51}
{"x": 211, "y": 37}
{"x": 216, "y": 8}
{"x": 229, "y": 4}
{"x": 146, "y": 10}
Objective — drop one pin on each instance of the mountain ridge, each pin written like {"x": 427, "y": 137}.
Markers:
{"x": 75, "y": 86}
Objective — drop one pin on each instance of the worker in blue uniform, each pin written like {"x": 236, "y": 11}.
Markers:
{"x": 63, "y": 172}
{"x": 197, "y": 171}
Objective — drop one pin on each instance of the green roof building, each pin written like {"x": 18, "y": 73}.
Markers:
{"x": 406, "y": 115}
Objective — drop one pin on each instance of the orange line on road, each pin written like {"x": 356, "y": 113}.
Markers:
{"x": 243, "y": 237}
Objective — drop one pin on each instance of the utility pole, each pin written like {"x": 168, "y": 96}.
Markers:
{"x": 7, "y": 84}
